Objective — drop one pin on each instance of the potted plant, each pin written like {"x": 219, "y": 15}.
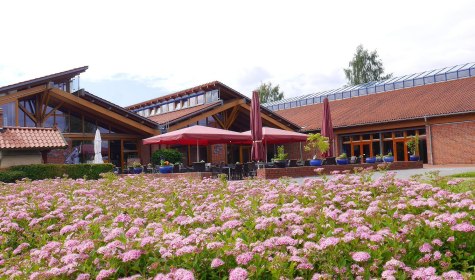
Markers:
{"x": 389, "y": 157}
{"x": 370, "y": 160}
{"x": 413, "y": 147}
{"x": 165, "y": 167}
{"x": 280, "y": 159}
{"x": 379, "y": 158}
{"x": 319, "y": 145}
{"x": 137, "y": 167}
{"x": 342, "y": 159}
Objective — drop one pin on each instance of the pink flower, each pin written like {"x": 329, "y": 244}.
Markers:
{"x": 425, "y": 248}
{"x": 245, "y": 258}
{"x": 131, "y": 255}
{"x": 360, "y": 256}
{"x": 463, "y": 227}
{"x": 105, "y": 273}
{"x": 83, "y": 276}
{"x": 238, "y": 274}
{"x": 216, "y": 263}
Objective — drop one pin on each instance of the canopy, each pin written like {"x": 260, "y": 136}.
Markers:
{"x": 278, "y": 136}
{"x": 327, "y": 127}
{"x": 197, "y": 135}
{"x": 257, "y": 150}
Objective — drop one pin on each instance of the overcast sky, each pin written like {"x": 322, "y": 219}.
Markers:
{"x": 138, "y": 50}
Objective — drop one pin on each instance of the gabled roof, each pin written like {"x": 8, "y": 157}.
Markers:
{"x": 175, "y": 116}
{"x": 61, "y": 76}
{"x": 31, "y": 138}
{"x": 445, "y": 98}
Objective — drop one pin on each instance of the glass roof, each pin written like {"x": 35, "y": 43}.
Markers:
{"x": 371, "y": 86}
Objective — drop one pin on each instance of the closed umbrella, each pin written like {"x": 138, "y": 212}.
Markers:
{"x": 327, "y": 127}
{"x": 257, "y": 150}
{"x": 98, "y": 147}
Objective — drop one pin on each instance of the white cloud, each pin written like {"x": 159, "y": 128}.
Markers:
{"x": 172, "y": 45}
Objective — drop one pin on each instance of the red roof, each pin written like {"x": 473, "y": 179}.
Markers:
{"x": 31, "y": 138}
{"x": 175, "y": 115}
{"x": 443, "y": 98}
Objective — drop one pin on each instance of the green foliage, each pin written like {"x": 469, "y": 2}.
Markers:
{"x": 365, "y": 67}
{"x": 268, "y": 93}
{"x": 9, "y": 176}
{"x": 74, "y": 171}
{"x": 464, "y": 175}
{"x": 280, "y": 153}
{"x": 389, "y": 154}
{"x": 170, "y": 155}
{"x": 413, "y": 145}
{"x": 317, "y": 143}
{"x": 342, "y": 156}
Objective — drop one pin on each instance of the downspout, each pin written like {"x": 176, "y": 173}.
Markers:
{"x": 430, "y": 140}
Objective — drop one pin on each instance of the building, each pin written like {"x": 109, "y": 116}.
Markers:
{"x": 380, "y": 117}
{"x": 369, "y": 119}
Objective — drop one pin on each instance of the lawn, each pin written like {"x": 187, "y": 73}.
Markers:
{"x": 148, "y": 228}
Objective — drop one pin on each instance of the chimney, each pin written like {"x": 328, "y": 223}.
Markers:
{"x": 1, "y": 118}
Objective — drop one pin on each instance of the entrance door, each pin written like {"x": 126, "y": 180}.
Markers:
{"x": 245, "y": 154}
{"x": 115, "y": 149}
{"x": 400, "y": 151}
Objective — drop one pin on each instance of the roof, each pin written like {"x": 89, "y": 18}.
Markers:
{"x": 60, "y": 76}
{"x": 184, "y": 113}
{"x": 31, "y": 138}
{"x": 446, "y": 98}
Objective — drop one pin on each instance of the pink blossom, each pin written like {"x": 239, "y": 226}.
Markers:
{"x": 83, "y": 276}
{"x": 216, "y": 263}
{"x": 245, "y": 258}
{"x": 425, "y": 248}
{"x": 131, "y": 255}
{"x": 463, "y": 227}
{"x": 105, "y": 273}
{"x": 238, "y": 273}
{"x": 360, "y": 256}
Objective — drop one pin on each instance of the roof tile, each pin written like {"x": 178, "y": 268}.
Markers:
{"x": 31, "y": 138}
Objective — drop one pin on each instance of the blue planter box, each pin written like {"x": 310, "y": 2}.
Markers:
{"x": 413, "y": 158}
{"x": 388, "y": 159}
{"x": 315, "y": 162}
{"x": 370, "y": 160}
{"x": 166, "y": 169}
{"x": 137, "y": 170}
{"x": 341, "y": 161}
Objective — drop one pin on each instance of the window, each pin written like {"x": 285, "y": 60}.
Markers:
{"x": 200, "y": 99}
{"x": 185, "y": 104}
{"x": 9, "y": 114}
{"x": 171, "y": 106}
{"x": 164, "y": 108}
{"x": 192, "y": 101}
{"x": 76, "y": 124}
{"x": 215, "y": 95}
{"x": 178, "y": 105}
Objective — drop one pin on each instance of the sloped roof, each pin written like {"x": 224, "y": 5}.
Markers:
{"x": 183, "y": 113}
{"x": 31, "y": 138}
{"x": 445, "y": 98}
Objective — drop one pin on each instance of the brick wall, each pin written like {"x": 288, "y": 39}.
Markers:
{"x": 58, "y": 156}
{"x": 293, "y": 149}
{"x": 453, "y": 143}
{"x": 190, "y": 175}
{"x": 144, "y": 153}
{"x": 306, "y": 171}
{"x": 218, "y": 153}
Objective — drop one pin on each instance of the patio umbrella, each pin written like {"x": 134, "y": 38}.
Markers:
{"x": 98, "y": 147}
{"x": 257, "y": 150}
{"x": 197, "y": 135}
{"x": 278, "y": 136}
{"x": 327, "y": 127}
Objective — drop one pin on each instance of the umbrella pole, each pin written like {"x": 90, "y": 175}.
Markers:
{"x": 265, "y": 142}
{"x": 197, "y": 152}
{"x": 300, "y": 151}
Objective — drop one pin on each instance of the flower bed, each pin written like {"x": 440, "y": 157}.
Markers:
{"x": 145, "y": 227}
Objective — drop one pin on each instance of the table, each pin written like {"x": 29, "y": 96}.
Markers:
{"x": 229, "y": 171}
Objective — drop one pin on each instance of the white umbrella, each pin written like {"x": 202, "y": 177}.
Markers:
{"x": 98, "y": 147}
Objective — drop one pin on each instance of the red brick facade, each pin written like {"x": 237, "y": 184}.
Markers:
{"x": 452, "y": 143}
{"x": 218, "y": 153}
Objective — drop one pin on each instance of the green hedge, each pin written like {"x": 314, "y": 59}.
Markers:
{"x": 74, "y": 171}
{"x": 8, "y": 176}
{"x": 171, "y": 155}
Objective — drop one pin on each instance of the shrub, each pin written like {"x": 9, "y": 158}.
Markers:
{"x": 8, "y": 176}
{"x": 74, "y": 171}
{"x": 170, "y": 155}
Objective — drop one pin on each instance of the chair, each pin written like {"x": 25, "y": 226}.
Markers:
{"x": 330, "y": 161}
{"x": 292, "y": 163}
{"x": 252, "y": 169}
{"x": 353, "y": 159}
{"x": 215, "y": 171}
{"x": 306, "y": 162}
{"x": 199, "y": 167}
{"x": 236, "y": 172}
{"x": 245, "y": 169}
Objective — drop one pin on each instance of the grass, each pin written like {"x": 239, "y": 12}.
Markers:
{"x": 470, "y": 174}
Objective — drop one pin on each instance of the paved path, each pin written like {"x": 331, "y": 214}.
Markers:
{"x": 444, "y": 170}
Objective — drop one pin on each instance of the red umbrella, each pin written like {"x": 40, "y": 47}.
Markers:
{"x": 327, "y": 127}
{"x": 257, "y": 150}
{"x": 197, "y": 135}
{"x": 279, "y": 136}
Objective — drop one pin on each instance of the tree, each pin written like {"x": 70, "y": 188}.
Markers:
{"x": 365, "y": 67}
{"x": 268, "y": 93}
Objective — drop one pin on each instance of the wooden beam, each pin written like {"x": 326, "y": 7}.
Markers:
{"x": 269, "y": 119}
{"x": 91, "y": 107}
{"x": 232, "y": 117}
{"x": 33, "y": 118}
{"x": 52, "y": 111}
{"x": 214, "y": 111}
{"x": 21, "y": 94}
{"x": 215, "y": 117}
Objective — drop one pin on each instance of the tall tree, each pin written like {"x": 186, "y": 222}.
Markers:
{"x": 269, "y": 93}
{"x": 365, "y": 67}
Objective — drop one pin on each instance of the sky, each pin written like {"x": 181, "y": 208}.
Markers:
{"x": 139, "y": 50}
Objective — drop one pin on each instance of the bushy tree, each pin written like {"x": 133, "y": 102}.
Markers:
{"x": 170, "y": 155}
{"x": 365, "y": 67}
{"x": 269, "y": 93}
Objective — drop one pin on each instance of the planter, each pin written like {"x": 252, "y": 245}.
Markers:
{"x": 379, "y": 159}
{"x": 137, "y": 170}
{"x": 315, "y": 162}
{"x": 413, "y": 158}
{"x": 388, "y": 158}
{"x": 166, "y": 169}
{"x": 370, "y": 160}
{"x": 341, "y": 161}
{"x": 280, "y": 163}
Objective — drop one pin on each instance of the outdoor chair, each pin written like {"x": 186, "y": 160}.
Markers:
{"x": 292, "y": 163}
{"x": 252, "y": 169}
{"x": 236, "y": 172}
{"x": 215, "y": 171}
{"x": 306, "y": 162}
{"x": 353, "y": 159}
{"x": 199, "y": 167}
{"x": 330, "y": 161}
{"x": 245, "y": 170}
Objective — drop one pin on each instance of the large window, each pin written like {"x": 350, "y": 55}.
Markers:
{"x": 9, "y": 118}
